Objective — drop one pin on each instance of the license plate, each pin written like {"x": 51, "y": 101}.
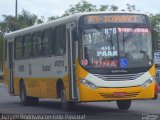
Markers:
{"x": 119, "y": 94}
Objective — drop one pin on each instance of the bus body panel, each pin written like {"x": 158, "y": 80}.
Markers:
{"x": 108, "y": 94}
{"x": 39, "y": 87}
{"x": 6, "y": 72}
{"x": 41, "y": 77}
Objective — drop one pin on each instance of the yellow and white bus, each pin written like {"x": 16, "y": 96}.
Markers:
{"x": 86, "y": 57}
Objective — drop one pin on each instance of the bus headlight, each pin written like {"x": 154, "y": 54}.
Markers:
{"x": 88, "y": 84}
{"x": 148, "y": 82}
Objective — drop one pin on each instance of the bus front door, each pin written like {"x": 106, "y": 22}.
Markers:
{"x": 72, "y": 55}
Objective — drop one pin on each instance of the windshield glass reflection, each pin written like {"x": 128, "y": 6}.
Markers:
{"x": 116, "y": 47}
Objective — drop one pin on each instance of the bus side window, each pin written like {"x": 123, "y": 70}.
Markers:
{"x": 37, "y": 44}
{"x": 18, "y": 48}
{"x": 27, "y": 46}
{"x": 47, "y": 39}
{"x": 60, "y": 40}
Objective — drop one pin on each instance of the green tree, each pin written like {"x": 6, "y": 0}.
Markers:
{"x": 131, "y": 7}
{"x": 113, "y": 8}
{"x": 53, "y": 18}
{"x": 9, "y": 23}
{"x": 82, "y": 6}
{"x": 155, "y": 20}
{"x": 155, "y": 23}
{"x": 40, "y": 20}
{"x": 104, "y": 7}
{"x": 25, "y": 19}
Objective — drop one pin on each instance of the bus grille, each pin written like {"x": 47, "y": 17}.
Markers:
{"x": 126, "y": 95}
{"x": 119, "y": 77}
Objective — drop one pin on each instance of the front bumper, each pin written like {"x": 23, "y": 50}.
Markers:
{"x": 87, "y": 94}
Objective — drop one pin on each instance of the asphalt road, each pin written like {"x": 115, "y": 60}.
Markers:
{"x": 140, "y": 110}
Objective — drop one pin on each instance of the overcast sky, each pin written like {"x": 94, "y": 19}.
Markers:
{"x": 49, "y": 8}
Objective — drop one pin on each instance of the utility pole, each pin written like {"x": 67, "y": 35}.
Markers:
{"x": 16, "y": 8}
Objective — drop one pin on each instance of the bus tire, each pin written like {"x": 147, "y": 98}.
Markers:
{"x": 66, "y": 105}
{"x": 34, "y": 100}
{"x": 123, "y": 104}
{"x": 26, "y": 100}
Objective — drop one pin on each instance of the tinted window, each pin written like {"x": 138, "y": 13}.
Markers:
{"x": 60, "y": 40}
{"x": 47, "y": 42}
{"x": 18, "y": 48}
{"x": 27, "y": 46}
{"x": 37, "y": 44}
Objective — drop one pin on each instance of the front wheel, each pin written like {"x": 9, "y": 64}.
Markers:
{"x": 26, "y": 100}
{"x": 123, "y": 104}
{"x": 66, "y": 105}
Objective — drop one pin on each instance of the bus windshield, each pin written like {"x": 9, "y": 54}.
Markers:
{"x": 103, "y": 47}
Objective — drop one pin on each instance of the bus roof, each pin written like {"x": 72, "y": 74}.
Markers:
{"x": 62, "y": 20}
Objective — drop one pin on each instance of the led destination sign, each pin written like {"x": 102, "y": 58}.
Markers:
{"x": 114, "y": 18}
